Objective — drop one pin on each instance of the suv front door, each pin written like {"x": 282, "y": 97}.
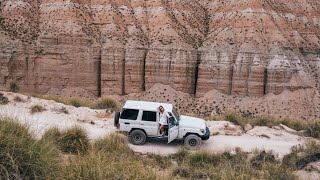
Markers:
{"x": 149, "y": 122}
{"x": 173, "y": 128}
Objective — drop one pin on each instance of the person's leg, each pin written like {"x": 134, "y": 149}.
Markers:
{"x": 161, "y": 128}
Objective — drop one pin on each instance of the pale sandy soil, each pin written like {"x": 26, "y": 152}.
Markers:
{"x": 278, "y": 140}
{"x": 98, "y": 124}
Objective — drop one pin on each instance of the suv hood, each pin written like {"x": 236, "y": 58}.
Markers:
{"x": 192, "y": 122}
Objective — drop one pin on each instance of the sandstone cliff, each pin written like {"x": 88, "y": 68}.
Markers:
{"x": 248, "y": 49}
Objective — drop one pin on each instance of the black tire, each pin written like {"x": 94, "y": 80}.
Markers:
{"x": 192, "y": 142}
{"x": 116, "y": 119}
{"x": 137, "y": 137}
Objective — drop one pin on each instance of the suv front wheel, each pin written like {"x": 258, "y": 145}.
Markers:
{"x": 137, "y": 137}
{"x": 192, "y": 142}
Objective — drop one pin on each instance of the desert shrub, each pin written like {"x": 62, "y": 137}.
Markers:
{"x": 52, "y": 134}
{"x": 263, "y": 121}
{"x": 63, "y": 110}
{"x": 74, "y": 140}
{"x": 181, "y": 171}
{"x": 106, "y": 103}
{"x": 302, "y": 155}
{"x": 76, "y": 102}
{"x": 3, "y": 100}
{"x": 274, "y": 171}
{"x": 109, "y": 158}
{"x": 14, "y": 86}
{"x": 261, "y": 158}
{"x": 37, "y": 109}
{"x": 233, "y": 117}
{"x": 114, "y": 143}
{"x": 163, "y": 162}
{"x": 225, "y": 166}
{"x": 22, "y": 156}
{"x": 295, "y": 124}
{"x": 313, "y": 129}
{"x": 181, "y": 155}
{"x": 18, "y": 99}
{"x": 204, "y": 158}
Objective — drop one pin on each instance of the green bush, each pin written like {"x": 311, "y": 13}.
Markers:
{"x": 23, "y": 157}
{"x": 106, "y": 103}
{"x": 14, "y": 86}
{"x": 37, "y": 109}
{"x": 74, "y": 140}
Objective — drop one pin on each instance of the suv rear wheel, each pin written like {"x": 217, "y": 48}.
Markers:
{"x": 192, "y": 142}
{"x": 137, "y": 137}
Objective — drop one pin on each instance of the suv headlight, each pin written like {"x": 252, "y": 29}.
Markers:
{"x": 203, "y": 130}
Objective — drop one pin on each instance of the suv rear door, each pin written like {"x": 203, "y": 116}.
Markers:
{"x": 173, "y": 128}
{"x": 149, "y": 122}
{"x": 128, "y": 119}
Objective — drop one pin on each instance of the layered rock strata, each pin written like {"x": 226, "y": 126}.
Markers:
{"x": 242, "y": 49}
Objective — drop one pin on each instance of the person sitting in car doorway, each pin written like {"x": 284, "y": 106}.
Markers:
{"x": 163, "y": 120}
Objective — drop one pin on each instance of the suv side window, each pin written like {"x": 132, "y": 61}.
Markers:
{"x": 149, "y": 116}
{"x": 130, "y": 114}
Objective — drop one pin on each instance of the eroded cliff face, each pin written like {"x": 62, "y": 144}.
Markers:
{"x": 248, "y": 49}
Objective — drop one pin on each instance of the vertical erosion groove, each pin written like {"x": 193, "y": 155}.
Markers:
{"x": 196, "y": 76}
{"x": 231, "y": 78}
{"x": 123, "y": 73}
{"x": 265, "y": 79}
{"x": 144, "y": 70}
{"x": 99, "y": 75}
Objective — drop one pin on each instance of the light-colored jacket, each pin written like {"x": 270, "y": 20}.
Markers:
{"x": 164, "y": 118}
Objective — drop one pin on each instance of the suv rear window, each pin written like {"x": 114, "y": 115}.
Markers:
{"x": 130, "y": 114}
{"x": 149, "y": 116}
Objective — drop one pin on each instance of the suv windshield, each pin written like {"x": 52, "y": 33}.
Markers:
{"x": 176, "y": 114}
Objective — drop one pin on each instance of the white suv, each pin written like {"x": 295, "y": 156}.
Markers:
{"x": 140, "y": 120}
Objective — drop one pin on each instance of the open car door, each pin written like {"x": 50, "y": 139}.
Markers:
{"x": 173, "y": 131}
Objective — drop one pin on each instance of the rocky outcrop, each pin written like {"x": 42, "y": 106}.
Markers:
{"x": 248, "y": 48}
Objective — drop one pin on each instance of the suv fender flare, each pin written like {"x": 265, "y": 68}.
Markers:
{"x": 137, "y": 129}
{"x": 187, "y": 134}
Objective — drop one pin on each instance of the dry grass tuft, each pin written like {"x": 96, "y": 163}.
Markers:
{"x": 3, "y": 100}
{"x": 37, "y": 109}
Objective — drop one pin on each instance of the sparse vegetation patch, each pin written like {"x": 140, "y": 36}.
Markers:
{"x": 23, "y": 157}
{"x": 106, "y": 103}
{"x": 3, "y": 100}
{"x": 37, "y": 109}
{"x": 14, "y": 86}
{"x": 74, "y": 140}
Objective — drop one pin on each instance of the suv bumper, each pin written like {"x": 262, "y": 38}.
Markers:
{"x": 207, "y": 135}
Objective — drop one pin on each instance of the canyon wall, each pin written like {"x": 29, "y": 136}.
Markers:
{"x": 243, "y": 49}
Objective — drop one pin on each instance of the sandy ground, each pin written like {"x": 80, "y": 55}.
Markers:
{"x": 99, "y": 124}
